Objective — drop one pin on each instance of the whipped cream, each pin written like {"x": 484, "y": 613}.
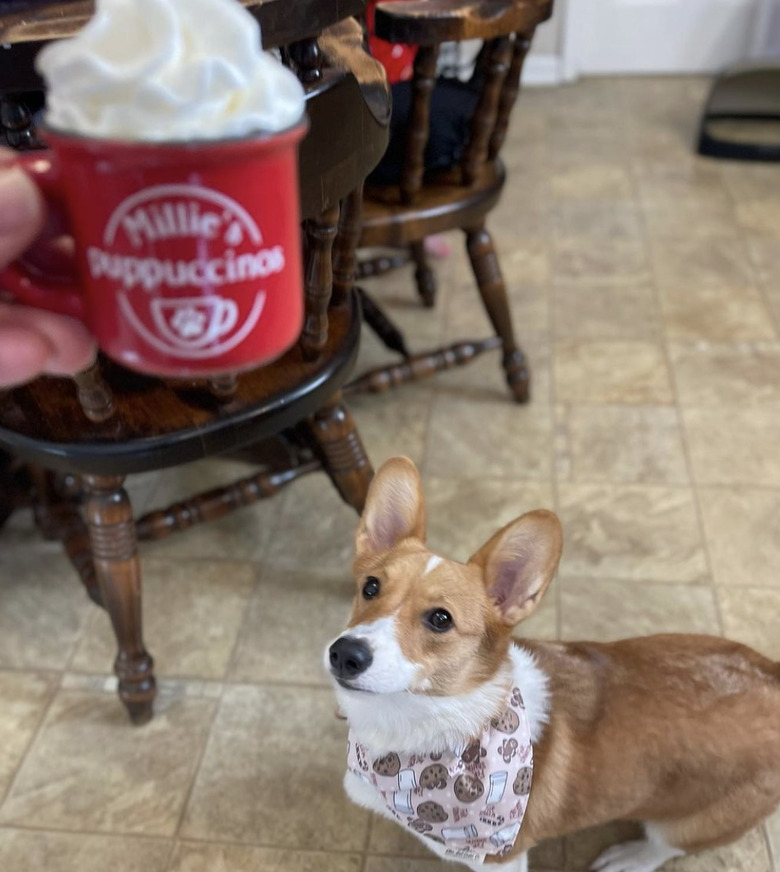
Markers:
{"x": 155, "y": 70}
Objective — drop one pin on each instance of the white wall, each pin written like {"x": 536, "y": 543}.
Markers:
{"x": 544, "y": 66}
{"x": 549, "y": 36}
{"x": 766, "y": 41}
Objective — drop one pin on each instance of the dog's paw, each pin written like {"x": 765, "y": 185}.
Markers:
{"x": 639, "y": 856}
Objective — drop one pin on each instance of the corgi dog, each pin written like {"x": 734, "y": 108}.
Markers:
{"x": 482, "y": 744}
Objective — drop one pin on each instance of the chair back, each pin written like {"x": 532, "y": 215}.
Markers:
{"x": 506, "y": 26}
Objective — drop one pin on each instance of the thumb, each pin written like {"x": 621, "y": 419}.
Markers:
{"x": 21, "y": 213}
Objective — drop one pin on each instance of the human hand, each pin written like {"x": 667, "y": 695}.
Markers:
{"x": 33, "y": 342}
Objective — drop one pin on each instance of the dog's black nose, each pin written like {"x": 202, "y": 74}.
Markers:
{"x": 349, "y": 657}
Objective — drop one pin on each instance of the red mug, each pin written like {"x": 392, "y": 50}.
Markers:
{"x": 188, "y": 258}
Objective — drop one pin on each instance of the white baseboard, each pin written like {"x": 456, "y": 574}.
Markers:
{"x": 543, "y": 69}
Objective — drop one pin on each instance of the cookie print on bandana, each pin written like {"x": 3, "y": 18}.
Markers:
{"x": 507, "y": 723}
{"x": 471, "y": 799}
{"x": 522, "y": 782}
{"x": 434, "y": 777}
{"x": 390, "y": 764}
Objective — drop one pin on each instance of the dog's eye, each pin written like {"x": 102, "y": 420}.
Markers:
{"x": 439, "y": 620}
{"x": 371, "y": 587}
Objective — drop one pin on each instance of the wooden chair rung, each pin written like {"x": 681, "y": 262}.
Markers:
{"x": 420, "y": 366}
{"x": 218, "y": 502}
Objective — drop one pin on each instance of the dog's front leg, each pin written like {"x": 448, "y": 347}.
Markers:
{"x": 363, "y": 794}
{"x": 516, "y": 864}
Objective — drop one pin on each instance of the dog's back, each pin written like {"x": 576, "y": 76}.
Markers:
{"x": 664, "y": 728}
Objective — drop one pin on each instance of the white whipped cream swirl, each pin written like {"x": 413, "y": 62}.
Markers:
{"x": 156, "y": 70}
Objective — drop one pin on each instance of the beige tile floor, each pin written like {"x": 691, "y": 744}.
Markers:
{"x": 646, "y": 289}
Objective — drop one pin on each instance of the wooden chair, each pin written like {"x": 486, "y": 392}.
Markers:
{"x": 66, "y": 446}
{"x": 460, "y": 197}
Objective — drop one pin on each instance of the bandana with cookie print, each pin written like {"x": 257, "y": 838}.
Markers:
{"x": 470, "y": 799}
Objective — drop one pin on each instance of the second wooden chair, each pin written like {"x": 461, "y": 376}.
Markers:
{"x": 423, "y": 202}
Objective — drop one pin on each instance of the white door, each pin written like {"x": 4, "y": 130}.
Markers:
{"x": 658, "y": 36}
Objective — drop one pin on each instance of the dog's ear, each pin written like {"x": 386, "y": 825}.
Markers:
{"x": 395, "y": 509}
{"x": 519, "y": 562}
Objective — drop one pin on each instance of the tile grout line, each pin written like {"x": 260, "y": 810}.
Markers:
{"x": 106, "y": 834}
{"x": 189, "y": 840}
{"x": 426, "y": 439}
{"x": 86, "y": 628}
{"x": 175, "y": 680}
{"x": 681, "y": 424}
{"x": 260, "y": 569}
{"x": 367, "y": 842}
{"x": 169, "y": 859}
{"x": 758, "y": 281}
{"x": 196, "y": 771}
{"x": 551, "y": 298}
{"x": 774, "y": 862}
{"x": 33, "y": 739}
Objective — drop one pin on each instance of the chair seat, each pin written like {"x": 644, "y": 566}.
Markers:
{"x": 441, "y": 205}
{"x": 158, "y": 424}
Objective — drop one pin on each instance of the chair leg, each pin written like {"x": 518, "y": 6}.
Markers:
{"x": 343, "y": 455}
{"x": 493, "y": 292}
{"x": 14, "y": 486}
{"x": 113, "y": 540}
{"x": 423, "y": 274}
{"x": 391, "y": 337}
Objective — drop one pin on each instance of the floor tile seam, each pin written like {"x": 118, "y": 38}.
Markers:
{"x": 640, "y": 485}
{"x": 762, "y": 488}
{"x": 84, "y": 632}
{"x": 175, "y": 840}
{"x": 759, "y": 283}
{"x": 367, "y": 843}
{"x": 653, "y": 336}
{"x": 65, "y": 831}
{"x": 198, "y": 841}
{"x": 53, "y": 694}
{"x": 750, "y": 588}
{"x": 404, "y": 855}
{"x": 428, "y": 429}
{"x": 568, "y": 581}
{"x": 628, "y": 482}
{"x": 256, "y": 587}
{"x": 774, "y": 862}
{"x": 199, "y": 561}
{"x": 703, "y": 543}
{"x": 168, "y": 865}
{"x": 218, "y": 684}
{"x": 196, "y": 771}
{"x": 551, "y": 330}
{"x": 36, "y": 670}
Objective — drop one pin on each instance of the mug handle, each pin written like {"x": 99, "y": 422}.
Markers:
{"x": 25, "y": 285}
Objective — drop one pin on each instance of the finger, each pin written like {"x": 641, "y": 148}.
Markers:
{"x": 23, "y": 355}
{"x": 71, "y": 348}
{"x": 21, "y": 213}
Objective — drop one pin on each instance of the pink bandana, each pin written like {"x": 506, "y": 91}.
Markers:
{"x": 470, "y": 799}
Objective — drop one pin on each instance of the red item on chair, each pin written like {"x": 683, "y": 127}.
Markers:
{"x": 397, "y": 59}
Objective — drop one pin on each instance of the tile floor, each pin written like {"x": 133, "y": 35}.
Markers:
{"x": 646, "y": 289}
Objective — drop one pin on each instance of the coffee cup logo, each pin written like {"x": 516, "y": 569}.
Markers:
{"x": 194, "y": 322}
{"x": 188, "y": 264}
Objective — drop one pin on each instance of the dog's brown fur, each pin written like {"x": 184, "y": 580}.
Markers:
{"x": 682, "y": 731}
{"x": 679, "y": 730}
